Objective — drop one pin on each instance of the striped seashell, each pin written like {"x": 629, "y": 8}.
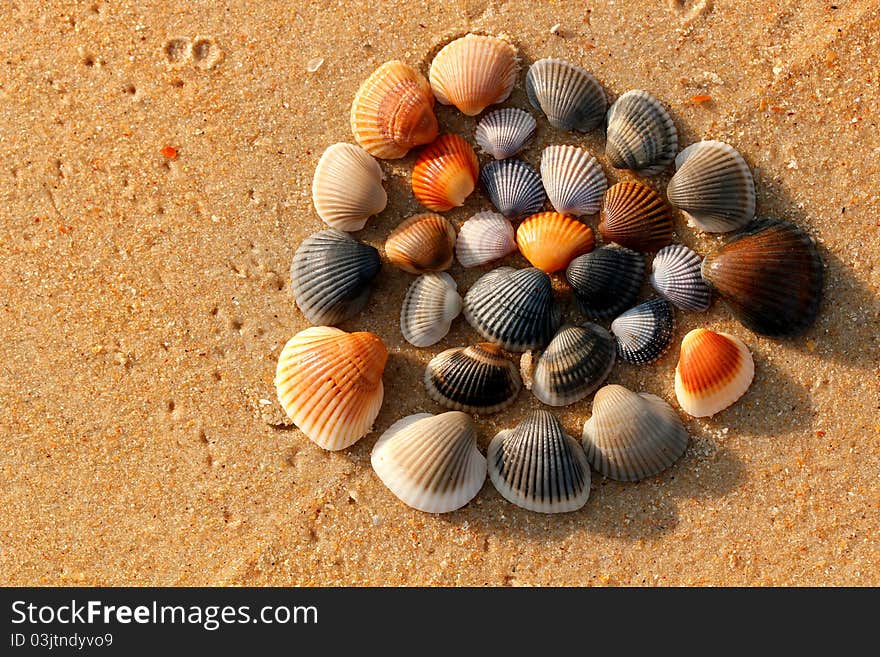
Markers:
{"x": 476, "y": 379}
{"x": 445, "y": 173}
{"x": 329, "y": 383}
{"x": 485, "y": 237}
{"x": 573, "y": 179}
{"x": 550, "y": 240}
{"x": 393, "y": 111}
{"x": 505, "y": 132}
{"x": 431, "y": 462}
{"x": 675, "y": 274}
{"x": 641, "y": 135}
{"x": 635, "y": 216}
{"x": 347, "y": 187}
{"x": 632, "y": 436}
{"x": 571, "y": 97}
{"x": 514, "y": 187}
{"x": 713, "y": 371}
{"x": 514, "y": 308}
{"x": 431, "y": 303}
{"x": 606, "y": 280}
{"x": 644, "y": 333}
{"x": 538, "y": 467}
{"x": 331, "y": 276}
{"x": 423, "y": 243}
{"x": 713, "y": 187}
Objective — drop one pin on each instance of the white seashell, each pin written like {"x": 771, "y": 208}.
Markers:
{"x": 347, "y": 187}
{"x": 485, "y": 237}
{"x": 573, "y": 179}
{"x": 430, "y": 305}
{"x": 676, "y": 276}
{"x": 641, "y": 135}
{"x": 505, "y": 132}
{"x": 570, "y": 96}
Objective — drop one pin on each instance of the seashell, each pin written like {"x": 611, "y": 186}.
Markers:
{"x": 476, "y": 379}
{"x": 393, "y": 111}
{"x": 347, "y": 187}
{"x": 573, "y": 179}
{"x": 641, "y": 135}
{"x": 430, "y": 305}
{"x": 514, "y": 187}
{"x": 550, "y": 240}
{"x": 573, "y": 365}
{"x": 770, "y": 275}
{"x": 329, "y": 383}
{"x": 331, "y": 276}
{"x": 713, "y": 187}
{"x": 571, "y": 97}
{"x": 675, "y": 274}
{"x": 445, "y": 173}
{"x": 643, "y": 333}
{"x": 635, "y": 216}
{"x": 485, "y": 237}
{"x": 421, "y": 244}
{"x": 431, "y": 462}
{"x": 606, "y": 281}
{"x": 632, "y": 436}
{"x": 514, "y": 308}
{"x": 474, "y": 72}
{"x": 505, "y": 132}
{"x": 713, "y": 371}
{"x": 538, "y": 467}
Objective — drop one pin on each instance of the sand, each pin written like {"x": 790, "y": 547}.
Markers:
{"x": 145, "y": 299}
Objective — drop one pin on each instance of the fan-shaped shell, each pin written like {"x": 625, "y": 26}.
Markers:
{"x": 347, "y": 187}
{"x": 477, "y": 379}
{"x": 573, "y": 365}
{"x": 423, "y": 243}
{"x": 485, "y": 237}
{"x": 643, "y": 333}
{"x": 573, "y": 179}
{"x": 635, "y": 216}
{"x": 550, "y": 240}
{"x": 675, "y": 274}
{"x": 514, "y": 187}
{"x": 505, "y": 132}
{"x": 445, "y": 173}
{"x": 571, "y": 97}
{"x": 606, "y": 280}
{"x": 713, "y": 371}
{"x": 641, "y": 135}
{"x": 431, "y": 303}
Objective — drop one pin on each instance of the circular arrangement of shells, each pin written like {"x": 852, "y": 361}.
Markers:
{"x": 329, "y": 382}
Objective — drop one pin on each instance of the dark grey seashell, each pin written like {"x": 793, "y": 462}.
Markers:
{"x": 606, "y": 280}
{"x": 641, "y": 135}
{"x": 676, "y": 276}
{"x": 573, "y": 365}
{"x": 505, "y": 132}
{"x": 644, "y": 333}
{"x": 570, "y": 96}
{"x": 514, "y": 187}
{"x": 573, "y": 179}
{"x": 477, "y": 379}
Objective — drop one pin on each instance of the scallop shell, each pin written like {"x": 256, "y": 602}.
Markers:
{"x": 571, "y": 97}
{"x": 430, "y": 305}
{"x": 550, "y": 240}
{"x": 643, "y": 333}
{"x": 573, "y": 365}
{"x": 485, "y": 237}
{"x": 770, "y": 275}
{"x": 331, "y": 276}
{"x": 431, "y": 462}
{"x": 474, "y": 72}
{"x": 573, "y": 179}
{"x": 641, "y": 135}
{"x": 675, "y": 274}
{"x": 538, "y": 467}
{"x": 514, "y": 187}
{"x": 445, "y": 173}
{"x": 329, "y": 383}
{"x": 514, "y": 308}
{"x": 606, "y": 280}
{"x": 713, "y": 187}
{"x": 632, "y": 436}
{"x": 635, "y": 216}
{"x": 347, "y": 187}
{"x": 423, "y": 243}
{"x": 505, "y": 132}
{"x": 476, "y": 379}
{"x": 393, "y": 111}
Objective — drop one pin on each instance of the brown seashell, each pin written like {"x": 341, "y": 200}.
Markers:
{"x": 422, "y": 243}
{"x": 635, "y": 216}
{"x": 445, "y": 173}
{"x": 550, "y": 240}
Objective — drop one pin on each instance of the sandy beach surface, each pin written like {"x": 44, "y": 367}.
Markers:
{"x": 155, "y": 172}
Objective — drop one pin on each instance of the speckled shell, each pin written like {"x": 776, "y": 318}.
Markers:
{"x": 770, "y": 275}
{"x": 675, "y": 274}
{"x": 635, "y": 216}
{"x": 393, "y": 111}
{"x": 445, "y": 173}
{"x": 476, "y": 379}
{"x": 644, "y": 333}
{"x": 329, "y": 383}
{"x": 641, "y": 135}
{"x": 347, "y": 187}
{"x": 550, "y": 240}
{"x": 431, "y": 303}
{"x": 331, "y": 276}
{"x": 514, "y": 187}
{"x": 571, "y": 97}
{"x": 505, "y": 132}
{"x": 632, "y": 436}
{"x": 485, "y": 237}
{"x": 606, "y": 280}
{"x": 538, "y": 467}
{"x": 423, "y": 243}
{"x": 573, "y": 179}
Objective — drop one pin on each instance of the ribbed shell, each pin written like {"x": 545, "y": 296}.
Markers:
{"x": 331, "y": 276}
{"x": 477, "y": 379}
{"x": 485, "y": 237}
{"x": 347, "y": 187}
{"x": 330, "y": 384}
{"x": 571, "y": 97}
{"x": 550, "y": 240}
{"x": 606, "y": 280}
{"x": 431, "y": 303}
{"x": 538, "y": 467}
{"x": 505, "y": 132}
{"x": 675, "y": 274}
{"x": 635, "y": 216}
{"x": 641, "y": 135}
{"x": 513, "y": 308}
{"x": 423, "y": 243}
{"x": 770, "y": 275}
{"x": 713, "y": 186}
{"x": 632, "y": 436}
{"x": 431, "y": 462}
{"x": 514, "y": 187}
{"x": 713, "y": 371}
{"x": 573, "y": 179}
{"x": 644, "y": 333}
{"x": 445, "y": 173}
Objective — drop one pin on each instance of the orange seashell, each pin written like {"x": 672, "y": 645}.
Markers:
{"x": 713, "y": 371}
{"x": 635, "y": 216}
{"x": 445, "y": 173}
{"x": 393, "y": 111}
{"x": 550, "y": 240}
{"x": 329, "y": 383}
{"x": 421, "y": 244}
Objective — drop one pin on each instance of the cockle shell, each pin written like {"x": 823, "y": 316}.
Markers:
{"x": 485, "y": 237}
{"x": 423, "y": 243}
{"x": 571, "y": 97}
{"x": 476, "y": 379}
{"x": 505, "y": 132}
{"x": 641, "y": 135}
{"x": 431, "y": 303}
{"x": 514, "y": 187}
{"x": 606, "y": 280}
{"x": 445, "y": 173}
{"x": 643, "y": 333}
{"x": 573, "y": 179}
{"x": 550, "y": 240}
{"x": 675, "y": 274}
{"x": 713, "y": 371}
{"x": 635, "y": 216}
{"x": 347, "y": 187}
